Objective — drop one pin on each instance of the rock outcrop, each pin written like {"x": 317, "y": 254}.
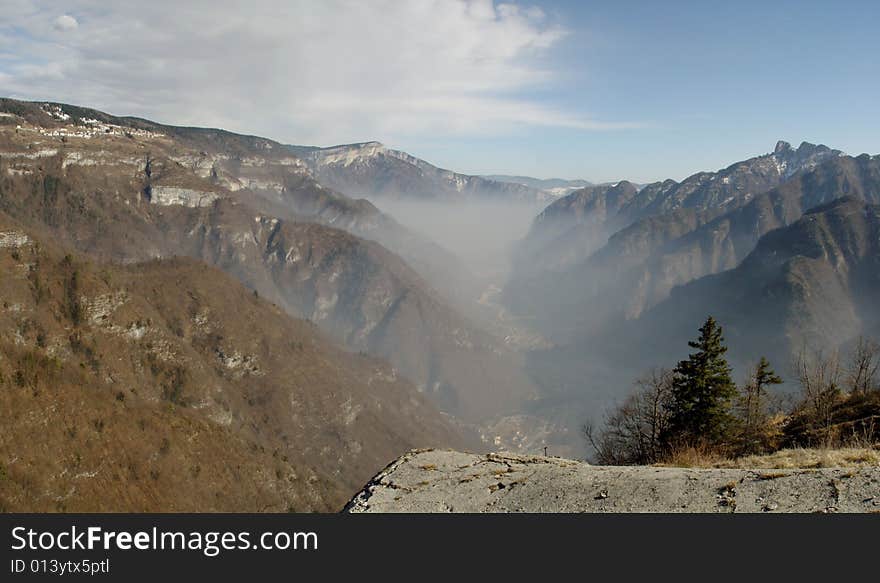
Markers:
{"x": 451, "y": 481}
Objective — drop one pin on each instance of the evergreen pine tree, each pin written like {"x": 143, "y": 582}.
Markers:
{"x": 702, "y": 392}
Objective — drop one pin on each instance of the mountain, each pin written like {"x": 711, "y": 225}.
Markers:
{"x": 169, "y": 386}
{"x": 261, "y": 171}
{"x": 582, "y": 251}
{"x": 813, "y": 283}
{"x": 731, "y": 186}
{"x": 128, "y": 191}
{"x": 639, "y": 265}
{"x": 571, "y": 227}
{"x": 374, "y": 171}
{"x": 718, "y": 243}
{"x": 552, "y": 186}
{"x": 603, "y": 210}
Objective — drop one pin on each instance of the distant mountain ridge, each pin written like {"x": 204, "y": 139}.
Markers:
{"x": 252, "y": 165}
{"x": 730, "y": 186}
{"x": 721, "y": 242}
{"x": 370, "y": 169}
{"x": 726, "y": 189}
{"x": 585, "y": 248}
{"x": 572, "y": 226}
{"x": 552, "y": 186}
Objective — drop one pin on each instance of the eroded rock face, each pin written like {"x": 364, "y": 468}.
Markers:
{"x": 451, "y": 481}
{"x": 170, "y": 195}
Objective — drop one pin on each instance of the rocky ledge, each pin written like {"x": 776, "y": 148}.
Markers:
{"x": 451, "y": 481}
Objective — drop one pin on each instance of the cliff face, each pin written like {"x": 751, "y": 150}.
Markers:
{"x": 168, "y": 386}
{"x": 450, "y": 481}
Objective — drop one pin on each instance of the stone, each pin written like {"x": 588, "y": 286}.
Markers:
{"x": 446, "y": 480}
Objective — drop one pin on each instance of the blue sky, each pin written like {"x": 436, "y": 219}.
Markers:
{"x": 712, "y": 82}
{"x": 643, "y": 90}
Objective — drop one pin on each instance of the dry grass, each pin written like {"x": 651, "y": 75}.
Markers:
{"x": 692, "y": 457}
{"x": 807, "y": 458}
{"x": 847, "y": 457}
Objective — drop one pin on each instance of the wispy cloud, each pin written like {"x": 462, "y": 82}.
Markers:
{"x": 307, "y": 71}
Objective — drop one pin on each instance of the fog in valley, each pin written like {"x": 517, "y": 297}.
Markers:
{"x": 594, "y": 306}
{"x": 480, "y": 233}
{"x": 576, "y": 382}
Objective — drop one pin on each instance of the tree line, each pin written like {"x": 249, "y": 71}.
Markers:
{"x": 697, "y": 406}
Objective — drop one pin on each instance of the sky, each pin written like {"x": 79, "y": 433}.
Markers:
{"x": 642, "y": 90}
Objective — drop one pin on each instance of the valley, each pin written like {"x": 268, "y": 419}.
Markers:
{"x": 304, "y": 315}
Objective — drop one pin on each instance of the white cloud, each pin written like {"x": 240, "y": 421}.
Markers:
{"x": 65, "y": 22}
{"x": 319, "y": 71}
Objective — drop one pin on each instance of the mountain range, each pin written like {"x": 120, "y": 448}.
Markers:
{"x": 623, "y": 249}
{"x": 184, "y": 285}
{"x": 133, "y": 191}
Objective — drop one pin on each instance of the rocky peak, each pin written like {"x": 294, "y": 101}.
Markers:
{"x": 781, "y": 147}
{"x": 804, "y": 152}
{"x": 808, "y": 148}
{"x": 790, "y": 161}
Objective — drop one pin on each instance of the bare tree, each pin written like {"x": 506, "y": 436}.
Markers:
{"x": 820, "y": 379}
{"x": 632, "y": 433}
{"x": 754, "y": 406}
{"x": 864, "y": 363}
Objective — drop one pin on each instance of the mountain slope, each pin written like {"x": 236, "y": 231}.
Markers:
{"x": 571, "y": 228}
{"x": 149, "y": 387}
{"x": 722, "y": 242}
{"x": 132, "y": 198}
{"x": 640, "y": 263}
{"x": 731, "y": 186}
{"x": 257, "y": 170}
{"x": 588, "y": 217}
{"x": 812, "y": 283}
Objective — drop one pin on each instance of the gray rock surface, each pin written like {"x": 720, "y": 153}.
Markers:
{"x": 451, "y": 481}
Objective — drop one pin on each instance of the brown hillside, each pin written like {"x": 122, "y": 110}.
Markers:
{"x": 169, "y": 386}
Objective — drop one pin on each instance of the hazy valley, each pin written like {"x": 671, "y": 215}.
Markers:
{"x": 237, "y": 306}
